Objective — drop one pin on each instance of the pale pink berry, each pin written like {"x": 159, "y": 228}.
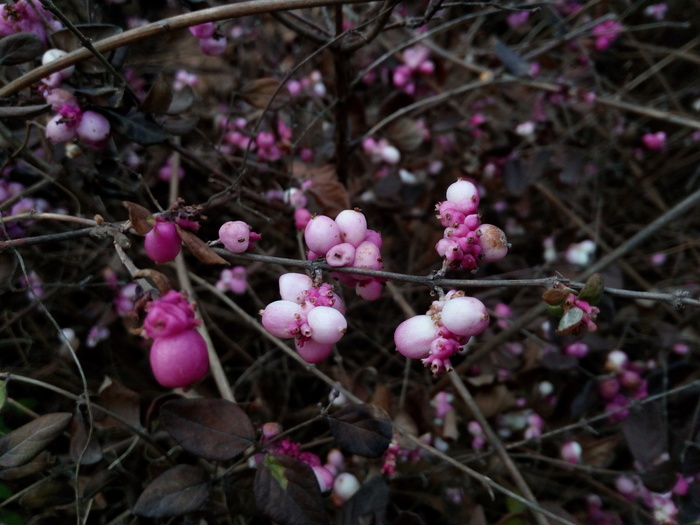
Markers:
{"x": 373, "y": 237}
{"x": 205, "y": 30}
{"x": 235, "y": 236}
{"x": 179, "y": 360}
{"x": 321, "y": 234}
{"x": 352, "y": 225}
{"x": 493, "y": 242}
{"x": 369, "y": 290}
{"x": 94, "y": 129}
{"x": 279, "y": 318}
{"x": 571, "y": 452}
{"x": 312, "y": 351}
{"x": 414, "y": 336}
{"x": 345, "y": 486}
{"x": 302, "y": 216}
{"x": 465, "y": 316}
{"x": 327, "y": 324}
{"x": 324, "y": 477}
{"x": 54, "y": 54}
{"x": 293, "y": 285}
{"x": 367, "y": 256}
{"x": 464, "y": 195}
{"x": 59, "y": 130}
{"x": 162, "y": 243}
{"x": 341, "y": 255}
{"x": 213, "y": 46}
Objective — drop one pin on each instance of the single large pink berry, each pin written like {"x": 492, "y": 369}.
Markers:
{"x": 464, "y": 195}
{"x": 213, "y": 46}
{"x": 327, "y": 324}
{"x": 352, "y": 225}
{"x": 414, "y": 336}
{"x": 465, "y": 316}
{"x": 493, "y": 242}
{"x": 60, "y": 130}
{"x": 312, "y": 351}
{"x": 235, "y": 236}
{"x": 179, "y": 360}
{"x": 162, "y": 243}
{"x": 321, "y": 234}
{"x": 367, "y": 256}
{"x": 342, "y": 254}
{"x": 94, "y": 129}
{"x": 205, "y": 30}
{"x": 279, "y": 318}
{"x": 293, "y": 286}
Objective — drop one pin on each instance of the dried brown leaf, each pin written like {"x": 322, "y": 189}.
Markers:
{"x": 140, "y": 217}
{"x": 159, "y": 97}
{"x": 259, "y": 93}
{"x": 158, "y": 279}
{"x": 200, "y": 249}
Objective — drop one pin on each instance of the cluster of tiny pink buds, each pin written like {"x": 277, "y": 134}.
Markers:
{"x": 606, "y": 33}
{"x": 268, "y": 146}
{"x": 589, "y": 312}
{"x": 26, "y": 17}
{"x": 313, "y": 315}
{"x": 237, "y": 236}
{"x": 325, "y": 474}
{"x": 478, "y": 439}
{"x": 442, "y": 332}
{"x": 179, "y": 354}
{"x": 211, "y": 42}
{"x": 185, "y": 78}
{"x": 416, "y": 62}
{"x": 381, "y": 151}
{"x": 347, "y": 242}
{"x": 466, "y": 241}
{"x": 233, "y": 280}
{"x": 654, "y": 141}
{"x": 312, "y": 85}
{"x": 624, "y": 383}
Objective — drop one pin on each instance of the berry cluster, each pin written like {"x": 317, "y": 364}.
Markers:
{"x": 71, "y": 122}
{"x": 442, "y": 331}
{"x": 179, "y": 353}
{"x": 466, "y": 240}
{"x": 211, "y": 42}
{"x": 415, "y": 64}
{"x": 625, "y": 383}
{"x": 26, "y": 17}
{"x": 346, "y": 241}
{"x": 313, "y": 315}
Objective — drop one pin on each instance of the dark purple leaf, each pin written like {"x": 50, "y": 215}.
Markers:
{"x": 136, "y": 127}
{"x": 87, "y": 452}
{"x": 20, "y": 48}
{"x": 512, "y": 61}
{"x": 646, "y": 432}
{"x": 515, "y": 176}
{"x": 372, "y": 498}
{"x": 47, "y": 493}
{"x": 364, "y": 430}
{"x": 40, "y": 463}
{"x": 213, "y": 429}
{"x": 286, "y": 491}
{"x": 181, "y": 101}
{"x": 159, "y": 97}
{"x": 24, "y": 112}
{"x": 25, "y": 443}
{"x": 181, "y": 489}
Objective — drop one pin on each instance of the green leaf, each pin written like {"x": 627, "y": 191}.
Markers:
{"x": 593, "y": 291}
{"x": 3, "y": 393}
{"x": 570, "y": 320}
{"x": 277, "y": 470}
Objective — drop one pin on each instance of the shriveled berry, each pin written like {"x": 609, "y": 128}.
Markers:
{"x": 493, "y": 242}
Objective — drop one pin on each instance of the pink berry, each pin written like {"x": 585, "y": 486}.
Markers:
{"x": 94, "y": 129}
{"x": 374, "y": 237}
{"x": 464, "y": 195}
{"x": 235, "y": 236}
{"x": 312, "y": 351}
{"x": 58, "y": 130}
{"x": 205, "y": 30}
{"x": 321, "y": 234}
{"x": 414, "y": 336}
{"x": 327, "y": 324}
{"x": 352, "y": 225}
{"x": 279, "y": 318}
{"x": 341, "y": 255}
{"x": 493, "y": 242}
{"x": 367, "y": 256}
{"x": 179, "y": 360}
{"x": 369, "y": 290}
{"x": 465, "y": 316}
{"x": 213, "y": 46}
{"x": 293, "y": 285}
{"x": 162, "y": 243}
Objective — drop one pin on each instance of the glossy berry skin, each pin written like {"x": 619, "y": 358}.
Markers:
{"x": 94, "y": 129}
{"x": 465, "y": 316}
{"x": 162, "y": 243}
{"x": 414, "y": 336}
{"x": 179, "y": 360}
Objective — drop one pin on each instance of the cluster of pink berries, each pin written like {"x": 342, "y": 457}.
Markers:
{"x": 663, "y": 507}
{"x": 624, "y": 384}
{"x": 347, "y": 242}
{"x": 442, "y": 332}
{"x": 179, "y": 353}
{"x": 466, "y": 241}
{"x": 415, "y": 64}
{"x": 313, "y": 315}
{"x": 9, "y": 190}
{"x": 312, "y": 85}
{"x": 26, "y": 17}
{"x": 606, "y": 33}
{"x": 381, "y": 151}
{"x": 211, "y": 42}
{"x": 268, "y": 146}
{"x": 71, "y": 122}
